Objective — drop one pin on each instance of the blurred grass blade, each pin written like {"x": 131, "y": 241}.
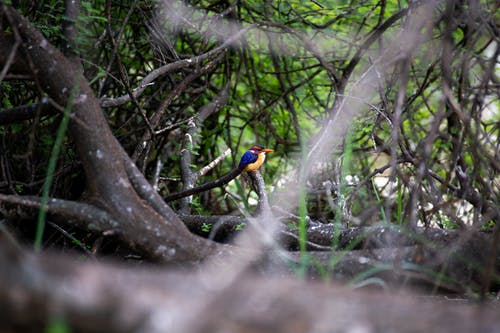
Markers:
{"x": 42, "y": 213}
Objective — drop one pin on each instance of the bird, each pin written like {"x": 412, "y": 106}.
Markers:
{"x": 253, "y": 158}
{"x": 250, "y": 161}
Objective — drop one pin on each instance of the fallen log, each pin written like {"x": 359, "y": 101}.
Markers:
{"x": 37, "y": 291}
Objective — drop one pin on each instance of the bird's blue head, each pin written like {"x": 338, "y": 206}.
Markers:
{"x": 253, "y": 158}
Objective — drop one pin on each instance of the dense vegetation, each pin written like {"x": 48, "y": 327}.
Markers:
{"x": 381, "y": 113}
{"x": 432, "y": 109}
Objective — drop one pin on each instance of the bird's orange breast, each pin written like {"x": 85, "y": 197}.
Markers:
{"x": 255, "y": 165}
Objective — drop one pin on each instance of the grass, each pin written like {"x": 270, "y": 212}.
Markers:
{"x": 337, "y": 223}
{"x": 57, "y": 325}
{"x": 302, "y": 206}
{"x": 47, "y": 184}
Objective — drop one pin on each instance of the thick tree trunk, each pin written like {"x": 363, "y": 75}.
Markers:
{"x": 156, "y": 232}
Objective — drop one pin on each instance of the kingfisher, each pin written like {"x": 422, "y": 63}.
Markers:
{"x": 253, "y": 158}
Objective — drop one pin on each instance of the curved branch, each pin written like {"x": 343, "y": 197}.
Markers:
{"x": 205, "y": 187}
{"x": 85, "y": 215}
{"x": 24, "y": 112}
{"x": 165, "y": 240}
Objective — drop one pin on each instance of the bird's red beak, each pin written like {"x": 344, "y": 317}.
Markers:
{"x": 265, "y": 150}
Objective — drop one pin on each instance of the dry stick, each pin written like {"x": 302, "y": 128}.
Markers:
{"x": 466, "y": 119}
{"x": 46, "y": 107}
{"x": 329, "y": 196}
{"x": 74, "y": 240}
{"x": 156, "y": 175}
{"x": 227, "y": 225}
{"x": 203, "y": 171}
{"x": 349, "y": 69}
{"x": 310, "y": 245}
{"x": 186, "y": 159}
{"x": 374, "y": 35}
{"x": 467, "y": 192}
{"x": 144, "y": 145}
{"x": 164, "y": 155}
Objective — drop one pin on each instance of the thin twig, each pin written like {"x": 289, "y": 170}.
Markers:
{"x": 73, "y": 239}
{"x": 203, "y": 171}
{"x": 153, "y": 75}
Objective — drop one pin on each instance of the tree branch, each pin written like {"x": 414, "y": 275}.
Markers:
{"x": 175, "y": 66}
{"x": 84, "y": 215}
{"x": 166, "y": 240}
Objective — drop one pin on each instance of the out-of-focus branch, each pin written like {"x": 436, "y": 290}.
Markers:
{"x": 70, "y": 31}
{"x": 96, "y": 297}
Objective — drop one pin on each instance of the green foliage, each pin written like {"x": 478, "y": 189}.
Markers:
{"x": 90, "y": 22}
{"x": 302, "y": 226}
{"x": 197, "y": 207}
{"x": 5, "y": 91}
{"x": 57, "y": 325}
{"x": 280, "y": 93}
{"x": 239, "y": 227}
{"x": 206, "y": 227}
